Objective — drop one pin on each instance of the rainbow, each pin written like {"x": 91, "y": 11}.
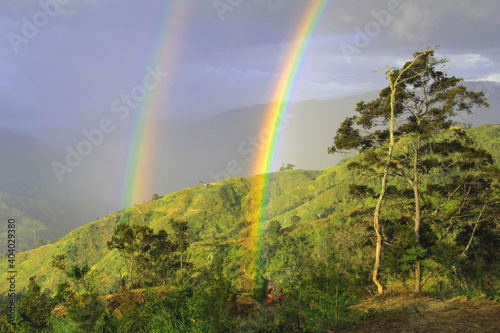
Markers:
{"x": 137, "y": 185}
{"x": 275, "y": 119}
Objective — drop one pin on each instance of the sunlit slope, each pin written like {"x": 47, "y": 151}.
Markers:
{"x": 219, "y": 214}
{"x": 488, "y": 137}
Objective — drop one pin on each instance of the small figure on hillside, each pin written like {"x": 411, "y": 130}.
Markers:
{"x": 270, "y": 291}
{"x": 122, "y": 284}
{"x": 280, "y": 295}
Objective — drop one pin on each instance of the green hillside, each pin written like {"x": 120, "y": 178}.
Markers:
{"x": 486, "y": 136}
{"x": 220, "y": 216}
{"x": 217, "y": 213}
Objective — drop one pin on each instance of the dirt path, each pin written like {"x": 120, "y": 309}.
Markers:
{"x": 421, "y": 312}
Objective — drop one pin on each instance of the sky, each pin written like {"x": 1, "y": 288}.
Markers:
{"x": 83, "y": 54}
{"x": 66, "y": 64}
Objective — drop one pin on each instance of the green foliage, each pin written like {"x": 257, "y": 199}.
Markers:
{"x": 231, "y": 198}
{"x": 274, "y": 228}
{"x": 86, "y": 310}
{"x": 181, "y": 233}
{"x": 412, "y": 256}
{"x": 208, "y": 307}
{"x": 478, "y": 266}
{"x": 63, "y": 293}
{"x": 34, "y": 309}
{"x": 77, "y": 274}
{"x": 59, "y": 262}
{"x": 287, "y": 167}
{"x": 284, "y": 259}
{"x": 259, "y": 285}
{"x": 219, "y": 300}
{"x": 295, "y": 219}
{"x": 181, "y": 237}
{"x": 161, "y": 254}
{"x": 318, "y": 302}
{"x": 149, "y": 255}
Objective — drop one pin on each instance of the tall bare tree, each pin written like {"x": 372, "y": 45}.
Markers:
{"x": 419, "y": 102}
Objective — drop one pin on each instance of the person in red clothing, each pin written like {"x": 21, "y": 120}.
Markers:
{"x": 280, "y": 295}
{"x": 270, "y": 291}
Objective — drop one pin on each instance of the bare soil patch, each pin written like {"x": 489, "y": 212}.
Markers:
{"x": 421, "y": 312}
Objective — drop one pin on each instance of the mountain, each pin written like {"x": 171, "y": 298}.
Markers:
{"x": 31, "y": 194}
{"x": 237, "y": 137}
{"x": 221, "y": 214}
{"x": 210, "y": 147}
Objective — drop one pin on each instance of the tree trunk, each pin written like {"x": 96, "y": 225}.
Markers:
{"x": 418, "y": 277}
{"x": 376, "y": 214}
{"x": 416, "y": 192}
{"x": 378, "y": 253}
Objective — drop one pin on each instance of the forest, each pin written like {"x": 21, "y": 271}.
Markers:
{"x": 413, "y": 207}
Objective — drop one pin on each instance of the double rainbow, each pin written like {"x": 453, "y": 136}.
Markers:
{"x": 140, "y": 160}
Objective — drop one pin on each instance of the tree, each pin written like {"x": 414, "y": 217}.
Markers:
{"x": 63, "y": 293}
{"x": 86, "y": 310}
{"x": 287, "y": 167}
{"x": 35, "y": 308}
{"x": 295, "y": 219}
{"x": 77, "y": 274}
{"x": 59, "y": 262}
{"x": 123, "y": 240}
{"x": 396, "y": 133}
{"x": 274, "y": 228}
{"x": 181, "y": 236}
{"x": 219, "y": 300}
{"x": 285, "y": 262}
{"x": 162, "y": 255}
{"x": 466, "y": 210}
{"x": 133, "y": 242}
{"x": 147, "y": 254}
{"x": 40, "y": 242}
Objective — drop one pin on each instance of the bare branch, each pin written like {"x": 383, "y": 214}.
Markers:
{"x": 474, "y": 230}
